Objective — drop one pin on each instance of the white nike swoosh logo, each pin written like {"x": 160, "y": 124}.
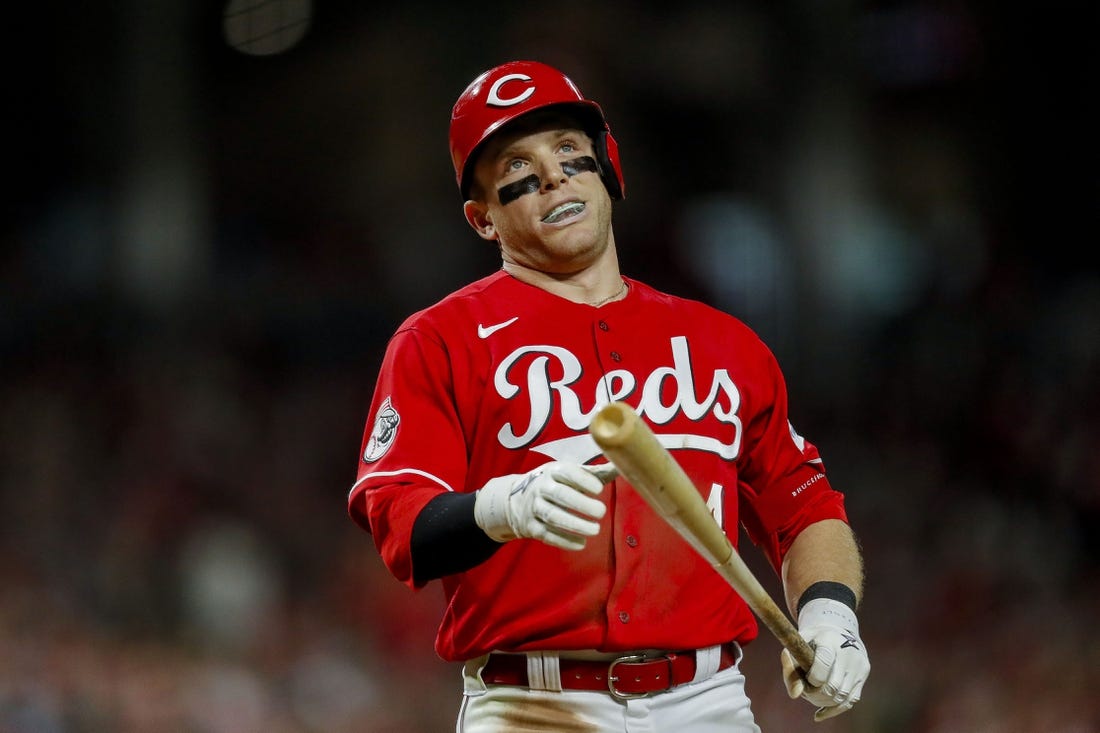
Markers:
{"x": 484, "y": 332}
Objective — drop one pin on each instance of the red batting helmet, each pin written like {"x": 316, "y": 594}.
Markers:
{"x": 510, "y": 90}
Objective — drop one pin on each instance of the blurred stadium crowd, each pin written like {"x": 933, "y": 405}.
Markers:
{"x": 208, "y": 250}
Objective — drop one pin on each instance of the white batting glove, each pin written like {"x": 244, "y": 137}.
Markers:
{"x": 835, "y": 679}
{"x": 555, "y": 503}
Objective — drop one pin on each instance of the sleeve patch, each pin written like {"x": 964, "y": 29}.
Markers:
{"x": 383, "y": 433}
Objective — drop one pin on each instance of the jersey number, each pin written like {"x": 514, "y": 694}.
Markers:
{"x": 714, "y": 503}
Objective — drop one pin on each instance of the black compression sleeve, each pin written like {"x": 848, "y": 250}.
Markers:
{"x": 446, "y": 539}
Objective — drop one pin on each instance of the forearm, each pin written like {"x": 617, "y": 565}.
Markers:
{"x": 446, "y": 539}
{"x": 826, "y": 550}
{"x": 555, "y": 503}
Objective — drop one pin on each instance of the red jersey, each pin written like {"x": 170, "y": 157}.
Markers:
{"x": 500, "y": 377}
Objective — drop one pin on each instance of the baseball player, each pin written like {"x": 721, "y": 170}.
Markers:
{"x": 571, "y": 604}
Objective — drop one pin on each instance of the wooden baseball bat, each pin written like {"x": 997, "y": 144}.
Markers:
{"x": 632, "y": 447}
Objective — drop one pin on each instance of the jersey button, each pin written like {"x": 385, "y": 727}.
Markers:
{"x": 624, "y": 617}
{"x": 632, "y": 540}
{"x": 615, "y": 356}
{"x": 604, "y": 326}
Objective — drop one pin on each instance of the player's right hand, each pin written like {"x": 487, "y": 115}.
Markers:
{"x": 555, "y": 503}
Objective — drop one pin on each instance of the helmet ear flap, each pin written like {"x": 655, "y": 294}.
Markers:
{"x": 607, "y": 157}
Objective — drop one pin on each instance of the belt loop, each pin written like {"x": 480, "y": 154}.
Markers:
{"x": 472, "y": 683}
{"x": 551, "y": 671}
{"x": 543, "y": 671}
{"x": 707, "y": 660}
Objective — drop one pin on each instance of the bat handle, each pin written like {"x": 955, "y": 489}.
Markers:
{"x": 789, "y": 637}
{"x": 766, "y": 609}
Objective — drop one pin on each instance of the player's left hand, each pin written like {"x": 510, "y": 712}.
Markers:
{"x": 835, "y": 680}
{"x": 555, "y": 503}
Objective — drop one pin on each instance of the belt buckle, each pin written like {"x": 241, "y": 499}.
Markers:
{"x": 612, "y": 678}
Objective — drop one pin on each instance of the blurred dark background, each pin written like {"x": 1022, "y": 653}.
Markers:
{"x": 218, "y": 212}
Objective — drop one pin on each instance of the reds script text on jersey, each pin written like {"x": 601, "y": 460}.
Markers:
{"x": 500, "y": 377}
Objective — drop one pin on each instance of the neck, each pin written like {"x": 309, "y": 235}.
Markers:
{"x": 598, "y": 283}
{"x": 588, "y": 287}
{"x": 617, "y": 295}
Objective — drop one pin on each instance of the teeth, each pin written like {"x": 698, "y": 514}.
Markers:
{"x": 560, "y": 212}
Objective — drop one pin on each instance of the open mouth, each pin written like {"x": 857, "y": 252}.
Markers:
{"x": 560, "y": 213}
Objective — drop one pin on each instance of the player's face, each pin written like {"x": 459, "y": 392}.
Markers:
{"x": 541, "y": 197}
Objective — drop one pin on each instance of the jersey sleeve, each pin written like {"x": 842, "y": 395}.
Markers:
{"x": 783, "y": 486}
{"x": 413, "y": 447}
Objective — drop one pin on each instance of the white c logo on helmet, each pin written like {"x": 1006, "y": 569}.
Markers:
{"x": 494, "y": 91}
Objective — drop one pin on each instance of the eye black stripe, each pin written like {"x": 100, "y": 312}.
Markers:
{"x": 511, "y": 192}
{"x": 583, "y": 164}
{"x": 530, "y": 184}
